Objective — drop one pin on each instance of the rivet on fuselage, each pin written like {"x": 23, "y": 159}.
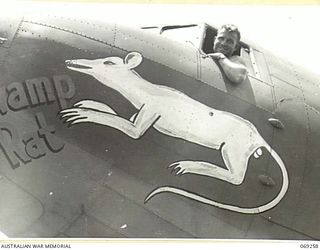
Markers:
{"x": 2, "y": 40}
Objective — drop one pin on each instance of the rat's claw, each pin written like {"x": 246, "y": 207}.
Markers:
{"x": 174, "y": 169}
{"x": 173, "y": 165}
{"x": 180, "y": 171}
{"x": 177, "y": 168}
{"x": 79, "y": 120}
{"x": 69, "y": 110}
{"x": 72, "y": 118}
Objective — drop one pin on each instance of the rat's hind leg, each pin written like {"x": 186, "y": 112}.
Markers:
{"x": 235, "y": 161}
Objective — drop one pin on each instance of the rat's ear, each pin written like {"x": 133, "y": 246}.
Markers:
{"x": 133, "y": 59}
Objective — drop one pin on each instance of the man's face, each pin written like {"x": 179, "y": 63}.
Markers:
{"x": 225, "y": 42}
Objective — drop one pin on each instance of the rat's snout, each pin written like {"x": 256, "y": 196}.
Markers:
{"x": 69, "y": 62}
{"x": 79, "y": 64}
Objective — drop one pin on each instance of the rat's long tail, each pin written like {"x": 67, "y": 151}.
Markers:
{"x": 254, "y": 210}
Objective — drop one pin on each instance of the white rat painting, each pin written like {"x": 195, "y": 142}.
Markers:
{"x": 174, "y": 114}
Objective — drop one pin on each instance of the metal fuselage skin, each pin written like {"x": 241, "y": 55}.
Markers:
{"x": 97, "y": 169}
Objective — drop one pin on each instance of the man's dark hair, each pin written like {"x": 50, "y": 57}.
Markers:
{"x": 231, "y": 28}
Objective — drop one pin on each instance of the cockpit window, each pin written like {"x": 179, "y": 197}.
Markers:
{"x": 245, "y": 53}
{"x": 208, "y": 38}
{"x": 190, "y": 34}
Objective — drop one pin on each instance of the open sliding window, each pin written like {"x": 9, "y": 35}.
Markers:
{"x": 248, "y": 54}
{"x": 256, "y": 89}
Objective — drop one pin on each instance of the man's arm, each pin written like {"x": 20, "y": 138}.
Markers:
{"x": 233, "y": 67}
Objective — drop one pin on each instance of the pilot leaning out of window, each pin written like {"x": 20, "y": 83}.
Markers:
{"x": 225, "y": 44}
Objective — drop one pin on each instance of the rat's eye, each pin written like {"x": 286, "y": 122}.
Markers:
{"x": 108, "y": 63}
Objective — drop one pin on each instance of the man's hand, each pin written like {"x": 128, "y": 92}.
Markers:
{"x": 217, "y": 56}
